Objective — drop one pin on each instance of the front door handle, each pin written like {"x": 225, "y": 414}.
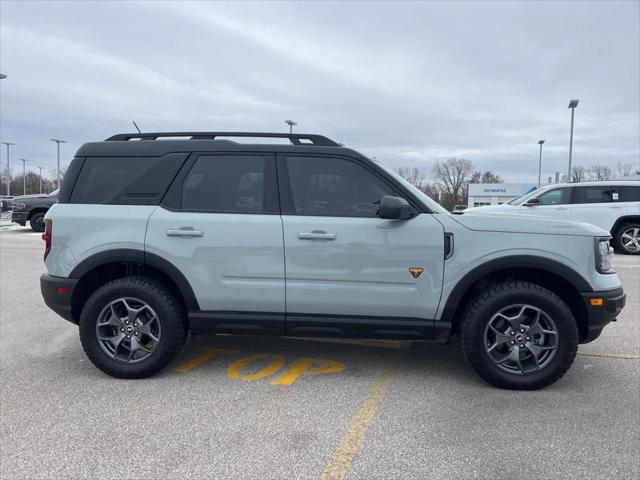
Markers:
{"x": 562, "y": 208}
{"x": 317, "y": 235}
{"x": 184, "y": 232}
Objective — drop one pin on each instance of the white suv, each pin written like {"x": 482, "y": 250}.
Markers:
{"x": 612, "y": 205}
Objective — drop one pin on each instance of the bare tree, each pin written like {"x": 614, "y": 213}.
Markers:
{"x": 626, "y": 169}
{"x": 578, "y": 174}
{"x": 412, "y": 175}
{"x": 599, "y": 172}
{"x": 32, "y": 184}
{"x": 485, "y": 177}
{"x": 452, "y": 177}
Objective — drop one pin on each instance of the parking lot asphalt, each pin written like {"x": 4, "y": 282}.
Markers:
{"x": 267, "y": 407}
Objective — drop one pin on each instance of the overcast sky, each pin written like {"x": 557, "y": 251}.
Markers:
{"x": 407, "y": 83}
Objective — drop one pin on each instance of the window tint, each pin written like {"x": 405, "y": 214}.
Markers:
{"x": 230, "y": 184}
{"x": 629, "y": 193}
{"x": 595, "y": 194}
{"x": 336, "y": 187}
{"x": 125, "y": 180}
{"x": 557, "y": 196}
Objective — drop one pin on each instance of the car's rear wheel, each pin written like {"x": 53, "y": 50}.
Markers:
{"x": 37, "y": 222}
{"x": 519, "y": 335}
{"x": 132, "y": 327}
{"x": 627, "y": 239}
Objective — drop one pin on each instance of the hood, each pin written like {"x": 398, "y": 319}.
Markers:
{"x": 511, "y": 223}
{"x": 37, "y": 196}
{"x": 492, "y": 208}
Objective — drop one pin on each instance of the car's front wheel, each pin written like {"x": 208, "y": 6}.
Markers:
{"x": 627, "y": 239}
{"x": 132, "y": 327}
{"x": 519, "y": 335}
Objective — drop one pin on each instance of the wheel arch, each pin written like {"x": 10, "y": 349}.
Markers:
{"x": 102, "y": 267}
{"x": 623, "y": 221}
{"x": 33, "y": 211}
{"x": 560, "y": 279}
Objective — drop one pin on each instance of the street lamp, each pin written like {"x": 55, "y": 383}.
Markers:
{"x": 24, "y": 175}
{"x": 8, "y": 144}
{"x": 572, "y": 105}
{"x": 291, "y": 124}
{"x": 40, "y": 175}
{"x": 58, "y": 142}
{"x": 540, "y": 142}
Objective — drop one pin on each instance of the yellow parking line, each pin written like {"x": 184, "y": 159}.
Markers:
{"x": 611, "y": 355}
{"x": 341, "y": 460}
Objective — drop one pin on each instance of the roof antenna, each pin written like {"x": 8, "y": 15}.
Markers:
{"x": 136, "y": 125}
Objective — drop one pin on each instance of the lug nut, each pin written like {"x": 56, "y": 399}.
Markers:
{"x": 128, "y": 336}
{"x": 122, "y": 329}
{"x": 135, "y": 324}
{"x": 512, "y": 342}
{"x": 127, "y": 322}
{"x": 528, "y": 338}
{"x": 522, "y": 330}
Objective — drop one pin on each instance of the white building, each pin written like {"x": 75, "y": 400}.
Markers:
{"x": 496, "y": 193}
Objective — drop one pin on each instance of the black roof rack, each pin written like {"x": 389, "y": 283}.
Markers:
{"x": 294, "y": 138}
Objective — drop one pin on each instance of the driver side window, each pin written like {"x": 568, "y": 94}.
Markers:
{"x": 557, "y": 196}
{"x": 334, "y": 187}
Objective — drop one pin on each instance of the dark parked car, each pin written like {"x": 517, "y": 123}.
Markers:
{"x": 5, "y": 203}
{"x": 32, "y": 209}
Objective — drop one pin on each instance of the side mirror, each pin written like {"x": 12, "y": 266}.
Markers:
{"x": 395, "y": 208}
{"x": 531, "y": 202}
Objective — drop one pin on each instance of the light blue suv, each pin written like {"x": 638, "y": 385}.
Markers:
{"x": 153, "y": 237}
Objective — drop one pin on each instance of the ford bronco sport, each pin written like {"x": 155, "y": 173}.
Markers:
{"x": 155, "y": 236}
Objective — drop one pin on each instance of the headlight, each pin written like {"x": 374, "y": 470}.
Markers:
{"x": 21, "y": 205}
{"x": 604, "y": 254}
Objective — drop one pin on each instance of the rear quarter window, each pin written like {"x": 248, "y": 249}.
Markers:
{"x": 125, "y": 180}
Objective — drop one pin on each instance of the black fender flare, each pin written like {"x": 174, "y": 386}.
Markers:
{"x": 140, "y": 257}
{"x": 506, "y": 263}
{"x": 622, "y": 220}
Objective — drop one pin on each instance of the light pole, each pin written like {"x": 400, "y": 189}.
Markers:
{"x": 58, "y": 142}
{"x": 540, "y": 142}
{"x": 40, "y": 175}
{"x": 572, "y": 105}
{"x": 24, "y": 175}
{"x": 291, "y": 124}
{"x": 8, "y": 144}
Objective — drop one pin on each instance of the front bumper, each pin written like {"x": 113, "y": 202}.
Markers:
{"x": 57, "y": 293}
{"x": 602, "y": 308}
{"x": 19, "y": 217}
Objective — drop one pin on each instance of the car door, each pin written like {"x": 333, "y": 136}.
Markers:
{"x": 348, "y": 271}
{"x": 553, "y": 203}
{"x": 220, "y": 226}
{"x": 599, "y": 205}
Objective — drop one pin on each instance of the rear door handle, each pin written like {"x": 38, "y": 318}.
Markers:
{"x": 562, "y": 208}
{"x": 317, "y": 235}
{"x": 184, "y": 232}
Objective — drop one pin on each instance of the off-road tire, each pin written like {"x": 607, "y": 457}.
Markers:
{"x": 498, "y": 296}
{"x": 170, "y": 313}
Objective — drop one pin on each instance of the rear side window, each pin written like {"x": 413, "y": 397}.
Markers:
{"x": 629, "y": 193}
{"x": 602, "y": 194}
{"x": 231, "y": 184}
{"x": 125, "y": 180}
{"x": 329, "y": 186}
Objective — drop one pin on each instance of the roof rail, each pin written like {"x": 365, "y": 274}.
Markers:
{"x": 294, "y": 138}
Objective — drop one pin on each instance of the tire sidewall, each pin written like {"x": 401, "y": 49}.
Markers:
{"x": 618, "y": 238}
{"x": 172, "y": 328}
{"x": 542, "y": 299}
{"x": 33, "y": 222}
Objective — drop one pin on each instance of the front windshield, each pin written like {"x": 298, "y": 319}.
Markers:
{"x": 431, "y": 204}
{"x": 525, "y": 197}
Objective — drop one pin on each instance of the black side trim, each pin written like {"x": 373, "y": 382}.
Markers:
{"x": 237, "y": 322}
{"x": 358, "y": 326}
{"x": 516, "y": 261}
{"x": 599, "y": 316}
{"x": 120, "y": 255}
{"x": 139, "y": 257}
{"x": 60, "y": 304}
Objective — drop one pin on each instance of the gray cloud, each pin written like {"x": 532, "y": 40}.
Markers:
{"x": 405, "y": 82}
